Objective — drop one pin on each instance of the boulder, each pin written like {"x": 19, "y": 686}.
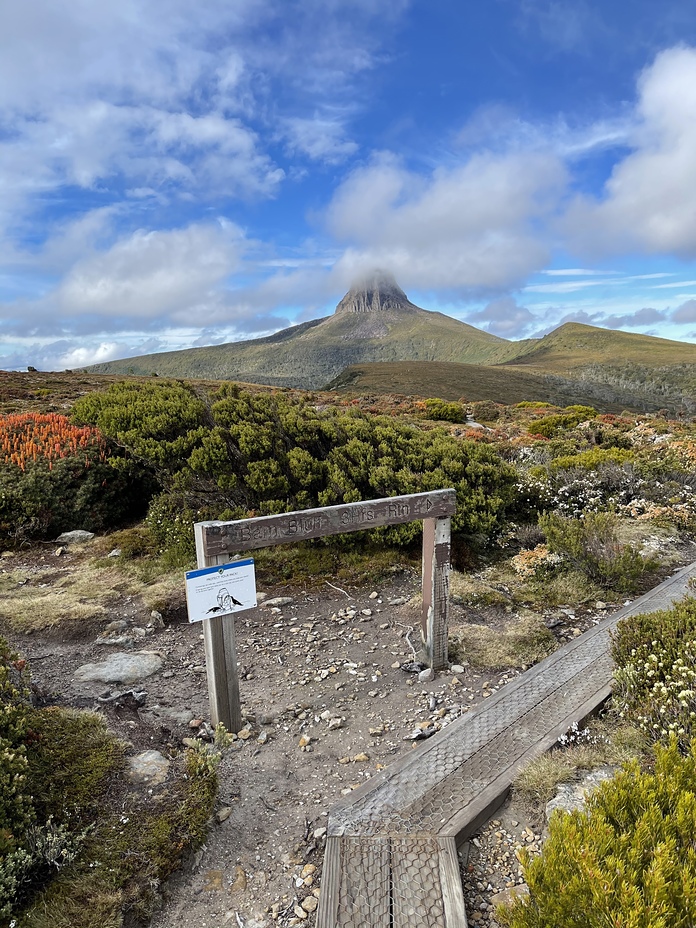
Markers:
{"x": 76, "y": 537}
{"x": 573, "y": 795}
{"x": 121, "y": 668}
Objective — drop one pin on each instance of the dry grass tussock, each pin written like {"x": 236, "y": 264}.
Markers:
{"x": 524, "y": 641}
{"x": 45, "y": 598}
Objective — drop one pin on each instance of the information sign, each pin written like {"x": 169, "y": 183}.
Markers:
{"x": 222, "y": 590}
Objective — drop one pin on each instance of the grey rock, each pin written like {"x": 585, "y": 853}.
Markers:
{"x": 573, "y": 795}
{"x": 131, "y": 699}
{"x": 150, "y": 767}
{"x": 420, "y": 734}
{"x": 121, "y": 668}
{"x": 509, "y": 895}
{"x": 427, "y": 675}
{"x": 412, "y": 666}
{"x": 115, "y": 552}
{"x": 278, "y": 601}
{"x": 457, "y": 668}
{"x": 157, "y": 619}
{"x": 75, "y": 537}
{"x": 398, "y": 601}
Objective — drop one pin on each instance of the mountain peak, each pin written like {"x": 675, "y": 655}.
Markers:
{"x": 378, "y": 291}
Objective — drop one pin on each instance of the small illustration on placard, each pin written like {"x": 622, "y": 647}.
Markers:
{"x": 225, "y": 602}
{"x": 217, "y": 591}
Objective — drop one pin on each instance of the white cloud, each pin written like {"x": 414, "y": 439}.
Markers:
{"x": 641, "y": 318}
{"x": 321, "y": 139}
{"x": 174, "y": 97}
{"x": 473, "y": 226}
{"x": 650, "y": 198}
{"x": 154, "y": 274}
{"x": 81, "y": 357}
{"x": 576, "y": 272}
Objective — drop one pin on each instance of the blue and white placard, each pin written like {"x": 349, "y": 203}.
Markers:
{"x": 222, "y": 590}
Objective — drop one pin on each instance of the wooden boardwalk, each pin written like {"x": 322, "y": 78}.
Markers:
{"x": 391, "y": 858}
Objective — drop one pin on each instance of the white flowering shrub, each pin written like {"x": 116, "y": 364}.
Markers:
{"x": 655, "y": 676}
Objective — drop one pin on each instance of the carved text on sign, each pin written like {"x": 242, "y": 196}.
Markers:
{"x": 244, "y": 534}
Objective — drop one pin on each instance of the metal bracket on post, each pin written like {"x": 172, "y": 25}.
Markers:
{"x": 220, "y": 655}
{"x": 436, "y": 568}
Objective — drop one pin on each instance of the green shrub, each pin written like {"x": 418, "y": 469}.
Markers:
{"x": 444, "y": 411}
{"x": 593, "y": 458}
{"x": 591, "y": 545}
{"x": 70, "y": 855}
{"x": 655, "y": 677}
{"x": 628, "y": 861}
{"x": 549, "y": 426}
{"x": 16, "y": 806}
{"x": 268, "y": 453}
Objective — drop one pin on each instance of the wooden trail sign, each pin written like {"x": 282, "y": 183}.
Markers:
{"x": 216, "y": 542}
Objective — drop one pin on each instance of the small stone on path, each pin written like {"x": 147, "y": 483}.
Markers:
{"x": 278, "y": 601}
{"x": 426, "y": 676}
{"x": 239, "y": 884}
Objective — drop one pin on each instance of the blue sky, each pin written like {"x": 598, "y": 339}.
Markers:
{"x": 177, "y": 174}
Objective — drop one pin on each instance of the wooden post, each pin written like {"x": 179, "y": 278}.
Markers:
{"x": 436, "y": 567}
{"x": 220, "y": 654}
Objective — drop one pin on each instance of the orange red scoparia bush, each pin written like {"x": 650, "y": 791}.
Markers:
{"x": 56, "y": 476}
{"x": 27, "y": 437}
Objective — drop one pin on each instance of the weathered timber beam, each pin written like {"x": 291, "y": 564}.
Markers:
{"x": 221, "y": 538}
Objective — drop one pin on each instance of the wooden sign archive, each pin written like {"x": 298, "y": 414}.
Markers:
{"x": 218, "y": 542}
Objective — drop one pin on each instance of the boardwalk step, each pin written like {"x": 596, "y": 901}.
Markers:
{"x": 404, "y": 882}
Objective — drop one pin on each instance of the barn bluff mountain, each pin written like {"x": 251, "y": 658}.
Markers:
{"x": 375, "y": 322}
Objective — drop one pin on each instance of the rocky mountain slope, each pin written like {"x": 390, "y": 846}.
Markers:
{"x": 375, "y": 321}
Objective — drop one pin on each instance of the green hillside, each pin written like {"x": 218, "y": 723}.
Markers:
{"x": 502, "y": 384}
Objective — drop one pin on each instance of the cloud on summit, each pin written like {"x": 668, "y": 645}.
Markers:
{"x": 472, "y": 227}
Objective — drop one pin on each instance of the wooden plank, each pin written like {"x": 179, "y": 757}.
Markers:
{"x": 246, "y": 534}
{"x": 416, "y": 890}
{"x": 451, "y": 883}
{"x": 327, "y": 913}
{"x": 436, "y": 570}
